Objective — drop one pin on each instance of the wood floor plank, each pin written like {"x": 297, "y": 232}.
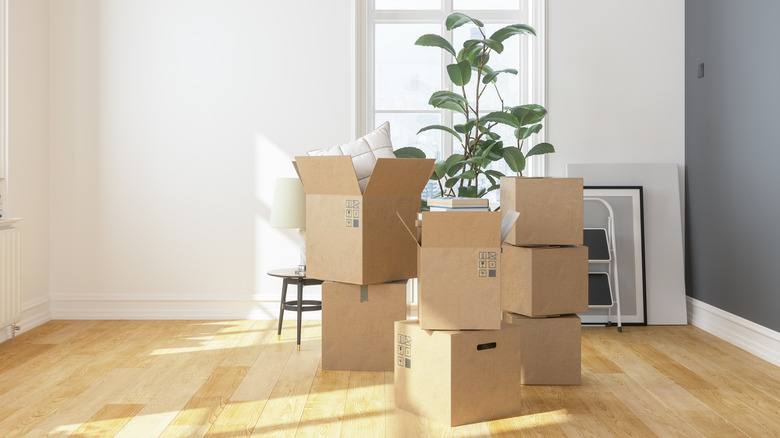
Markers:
{"x": 107, "y": 421}
{"x": 282, "y": 412}
{"x": 324, "y": 410}
{"x": 365, "y": 404}
{"x": 399, "y": 422}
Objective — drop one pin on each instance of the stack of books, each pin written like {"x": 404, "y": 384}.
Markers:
{"x": 458, "y": 204}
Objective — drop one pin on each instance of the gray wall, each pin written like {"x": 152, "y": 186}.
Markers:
{"x": 732, "y": 156}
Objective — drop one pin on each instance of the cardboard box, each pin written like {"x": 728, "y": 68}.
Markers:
{"x": 458, "y": 282}
{"x": 354, "y": 237}
{"x": 544, "y": 280}
{"x": 358, "y": 323}
{"x": 457, "y": 377}
{"x": 550, "y": 210}
{"x": 550, "y": 349}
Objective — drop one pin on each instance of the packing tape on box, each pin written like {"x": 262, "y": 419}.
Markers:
{"x": 363, "y": 293}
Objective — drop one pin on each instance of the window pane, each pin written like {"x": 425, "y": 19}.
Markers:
{"x": 406, "y": 74}
{"x": 381, "y": 5}
{"x": 508, "y": 84}
{"x": 486, "y": 4}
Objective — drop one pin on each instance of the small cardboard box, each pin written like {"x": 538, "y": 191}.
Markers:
{"x": 550, "y": 210}
{"x": 550, "y": 349}
{"x": 354, "y": 237}
{"x": 357, "y": 325}
{"x": 457, "y": 377}
{"x": 459, "y": 282}
{"x": 544, "y": 280}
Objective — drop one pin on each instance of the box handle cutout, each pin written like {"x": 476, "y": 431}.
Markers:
{"x": 487, "y": 346}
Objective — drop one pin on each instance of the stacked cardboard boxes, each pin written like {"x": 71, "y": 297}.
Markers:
{"x": 356, "y": 243}
{"x": 455, "y": 364}
{"x": 545, "y": 279}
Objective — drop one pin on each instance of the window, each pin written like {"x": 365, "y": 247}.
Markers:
{"x": 396, "y": 77}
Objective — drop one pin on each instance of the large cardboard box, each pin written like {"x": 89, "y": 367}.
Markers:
{"x": 459, "y": 273}
{"x": 550, "y": 349}
{"x": 457, "y": 377}
{"x": 354, "y": 237}
{"x": 358, "y": 323}
{"x": 550, "y": 210}
{"x": 544, "y": 280}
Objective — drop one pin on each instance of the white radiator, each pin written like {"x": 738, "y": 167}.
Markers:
{"x": 10, "y": 277}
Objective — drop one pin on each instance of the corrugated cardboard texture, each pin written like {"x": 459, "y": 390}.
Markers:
{"x": 357, "y": 238}
{"x": 550, "y": 210}
{"x": 358, "y": 323}
{"x": 457, "y": 377}
{"x": 459, "y": 278}
{"x": 544, "y": 280}
{"x": 550, "y": 349}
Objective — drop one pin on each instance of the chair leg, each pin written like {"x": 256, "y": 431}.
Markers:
{"x": 300, "y": 311}
{"x": 281, "y": 308}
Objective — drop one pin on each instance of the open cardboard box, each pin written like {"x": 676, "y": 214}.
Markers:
{"x": 550, "y": 210}
{"x": 354, "y": 237}
{"x": 459, "y": 274}
{"x": 544, "y": 280}
{"x": 550, "y": 349}
{"x": 457, "y": 377}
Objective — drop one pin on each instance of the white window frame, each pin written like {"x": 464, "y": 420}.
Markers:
{"x": 535, "y": 89}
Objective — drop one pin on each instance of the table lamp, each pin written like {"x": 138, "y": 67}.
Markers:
{"x": 289, "y": 211}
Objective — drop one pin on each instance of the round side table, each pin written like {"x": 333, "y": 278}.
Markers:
{"x": 290, "y": 276}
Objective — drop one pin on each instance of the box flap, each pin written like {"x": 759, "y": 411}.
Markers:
{"x": 330, "y": 175}
{"x": 400, "y": 176}
{"x": 411, "y": 233}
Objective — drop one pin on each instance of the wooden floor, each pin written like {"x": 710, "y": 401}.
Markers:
{"x": 233, "y": 378}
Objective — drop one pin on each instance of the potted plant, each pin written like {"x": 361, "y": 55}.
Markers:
{"x": 460, "y": 174}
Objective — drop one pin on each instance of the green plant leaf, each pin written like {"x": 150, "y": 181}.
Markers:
{"x": 494, "y": 135}
{"x": 469, "y": 174}
{"x": 512, "y": 29}
{"x": 490, "y": 178}
{"x": 501, "y": 117}
{"x": 451, "y": 181}
{"x": 525, "y": 131}
{"x": 467, "y": 191}
{"x": 493, "y": 187}
{"x": 433, "y": 40}
{"x": 466, "y": 127}
{"x": 455, "y": 168}
{"x": 481, "y": 59}
{"x": 424, "y": 205}
{"x": 448, "y": 100}
{"x": 492, "y": 76}
{"x": 460, "y": 73}
{"x": 470, "y": 43}
{"x": 450, "y": 161}
{"x": 469, "y": 53}
{"x": 442, "y": 128}
{"x": 540, "y": 149}
{"x": 514, "y": 159}
{"x": 495, "y": 45}
{"x": 409, "y": 152}
{"x": 494, "y": 173}
{"x": 529, "y": 114}
{"x": 457, "y": 19}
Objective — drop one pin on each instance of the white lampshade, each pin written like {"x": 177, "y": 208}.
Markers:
{"x": 289, "y": 209}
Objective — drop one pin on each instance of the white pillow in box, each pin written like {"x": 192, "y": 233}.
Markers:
{"x": 364, "y": 152}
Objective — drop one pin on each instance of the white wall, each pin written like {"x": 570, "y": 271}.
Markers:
{"x": 28, "y": 171}
{"x": 170, "y": 121}
{"x": 616, "y": 91}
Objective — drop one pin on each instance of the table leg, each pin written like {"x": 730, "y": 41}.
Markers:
{"x": 281, "y": 308}
{"x": 300, "y": 311}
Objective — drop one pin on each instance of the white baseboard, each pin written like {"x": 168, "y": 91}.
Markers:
{"x": 150, "y": 307}
{"x": 34, "y": 313}
{"x": 747, "y": 335}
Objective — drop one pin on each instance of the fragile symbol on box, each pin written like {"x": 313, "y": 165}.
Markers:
{"x": 352, "y": 213}
{"x": 487, "y": 264}
{"x": 404, "y": 351}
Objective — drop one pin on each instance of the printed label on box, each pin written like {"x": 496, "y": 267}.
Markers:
{"x": 404, "y": 351}
{"x": 352, "y": 213}
{"x": 487, "y": 265}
